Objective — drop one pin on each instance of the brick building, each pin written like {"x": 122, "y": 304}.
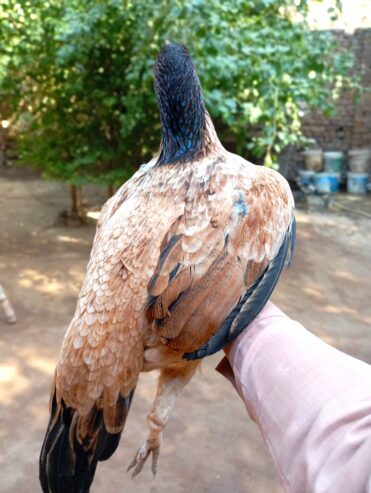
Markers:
{"x": 350, "y": 127}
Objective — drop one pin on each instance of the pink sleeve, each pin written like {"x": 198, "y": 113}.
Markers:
{"x": 311, "y": 402}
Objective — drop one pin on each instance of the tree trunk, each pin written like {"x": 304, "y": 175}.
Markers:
{"x": 110, "y": 190}
{"x": 75, "y": 203}
{"x": 77, "y": 214}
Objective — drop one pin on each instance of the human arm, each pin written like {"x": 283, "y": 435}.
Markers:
{"x": 311, "y": 402}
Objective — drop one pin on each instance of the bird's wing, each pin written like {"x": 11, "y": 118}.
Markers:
{"x": 102, "y": 352}
{"x": 115, "y": 202}
{"x": 227, "y": 247}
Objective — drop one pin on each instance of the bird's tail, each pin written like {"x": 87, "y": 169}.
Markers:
{"x": 73, "y": 445}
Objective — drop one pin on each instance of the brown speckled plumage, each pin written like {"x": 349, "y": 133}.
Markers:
{"x": 175, "y": 250}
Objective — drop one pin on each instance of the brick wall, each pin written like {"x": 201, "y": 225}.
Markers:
{"x": 361, "y": 134}
{"x": 350, "y": 127}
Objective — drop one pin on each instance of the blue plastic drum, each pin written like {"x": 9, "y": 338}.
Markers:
{"x": 357, "y": 183}
{"x": 327, "y": 182}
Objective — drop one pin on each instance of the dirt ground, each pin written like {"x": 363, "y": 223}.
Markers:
{"x": 210, "y": 444}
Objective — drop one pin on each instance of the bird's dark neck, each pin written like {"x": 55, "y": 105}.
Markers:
{"x": 182, "y": 127}
{"x": 182, "y": 110}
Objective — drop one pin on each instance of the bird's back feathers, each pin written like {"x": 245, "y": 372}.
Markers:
{"x": 235, "y": 221}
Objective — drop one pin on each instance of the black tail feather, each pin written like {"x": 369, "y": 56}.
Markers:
{"x": 68, "y": 461}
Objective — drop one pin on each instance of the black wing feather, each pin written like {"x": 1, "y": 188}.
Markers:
{"x": 251, "y": 303}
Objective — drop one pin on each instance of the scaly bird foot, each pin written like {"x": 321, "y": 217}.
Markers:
{"x": 142, "y": 455}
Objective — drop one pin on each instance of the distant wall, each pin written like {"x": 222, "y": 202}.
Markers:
{"x": 350, "y": 127}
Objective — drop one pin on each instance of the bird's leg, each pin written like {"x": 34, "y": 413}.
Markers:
{"x": 170, "y": 383}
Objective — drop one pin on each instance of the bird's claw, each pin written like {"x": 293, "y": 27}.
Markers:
{"x": 142, "y": 455}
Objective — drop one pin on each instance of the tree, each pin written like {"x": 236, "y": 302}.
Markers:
{"x": 79, "y": 77}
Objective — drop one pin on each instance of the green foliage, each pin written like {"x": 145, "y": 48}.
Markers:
{"x": 78, "y": 76}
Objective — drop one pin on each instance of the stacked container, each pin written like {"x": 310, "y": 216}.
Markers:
{"x": 329, "y": 180}
{"x": 357, "y": 177}
{"x": 312, "y": 164}
{"x": 324, "y": 170}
